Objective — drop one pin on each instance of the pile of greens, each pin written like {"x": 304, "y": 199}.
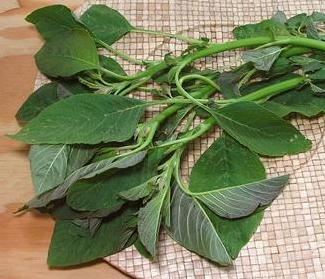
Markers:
{"x": 111, "y": 178}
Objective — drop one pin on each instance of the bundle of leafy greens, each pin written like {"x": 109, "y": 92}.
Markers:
{"x": 112, "y": 178}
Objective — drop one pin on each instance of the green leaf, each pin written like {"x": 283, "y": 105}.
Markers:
{"x": 281, "y": 66}
{"x": 142, "y": 250}
{"x": 46, "y": 95}
{"x": 112, "y": 65}
{"x": 105, "y": 23}
{"x": 269, "y": 28}
{"x": 228, "y": 81}
{"x": 149, "y": 221}
{"x": 53, "y": 20}
{"x": 263, "y": 58}
{"x": 72, "y": 244}
{"x": 89, "y": 224}
{"x": 84, "y": 118}
{"x": 87, "y": 171}
{"x": 261, "y": 130}
{"x": 168, "y": 128}
{"x": 103, "y": 191}
{"x": 138, "y": 192}
{"x": 48, "y": 166}
{"x": 308, "y": 64}
{"x": 242, "y": 200}
{"x": 295, "y": 22}
{"x": 227, "y": 169}
{"x": 316, "y": 89}
{"x": 79, "y": 156}
{"x": 192, "y": 228}
{"x": 319, "y": 75}
{"x": 280, "y": 17}
{"x": 62, "y": 56}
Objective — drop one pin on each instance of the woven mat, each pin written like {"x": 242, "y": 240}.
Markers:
{"x": 290, "y": 243}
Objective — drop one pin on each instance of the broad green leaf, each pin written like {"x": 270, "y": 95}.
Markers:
{"x": 107, "y": 24}
{"x": 269, "y": 28}
{"x": 62, "y": 56}
{"x": 103, "y": 191}
{"x": 84, "y": 118}
{"x": 53, "y": 20}
{"x": 227, "y": 168}
{"x": 72, "y": 244}
{"x": 301, "y": 101}
{"x": 263, "y": 58}
{"x": 48, "y": 166}
{"x": 242, "y": 200}
{"x": 87, "y": 171}
{"x": 192, "y": 228}
{"x": 149, "y": 221}
{"x": 260, "y": 130}
{"x": 46, "y": 95}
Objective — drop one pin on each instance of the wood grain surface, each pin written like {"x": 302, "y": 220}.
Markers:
{"x": 24, "y": 240}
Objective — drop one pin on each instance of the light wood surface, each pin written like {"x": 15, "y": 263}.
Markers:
{"x": 24, "y": 240}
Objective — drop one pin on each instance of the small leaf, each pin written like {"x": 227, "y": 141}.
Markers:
{"x": 264, "y": 58}
{"x": 295, "y": 22}
{"x": 72, "y": 244}
{"x": 53, "y": 20}
{"x": 84, "y": 118}
{"x": 149, "y": 221}
{"x": 242, "y": 200}
{"x": 280, "y": 17}
{"x": 87, "y": 171}
{"x": 316, "y": 89}
{"x": 62, "y": 56}
{"x": 105, "y": 23}
{"x": 261, "y": 130}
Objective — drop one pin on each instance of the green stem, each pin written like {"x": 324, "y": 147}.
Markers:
{"x": 169, "y": 35}
{"x": 121, "y": 54}
{"x": 272, "y": 90}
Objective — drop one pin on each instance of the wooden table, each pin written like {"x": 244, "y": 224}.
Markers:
{"x": 24, "y": 240}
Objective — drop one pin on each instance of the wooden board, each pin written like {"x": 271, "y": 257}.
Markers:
{"x": 24, "y": 240}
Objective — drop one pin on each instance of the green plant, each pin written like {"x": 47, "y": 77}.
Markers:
{"x": 112, "y": 179}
